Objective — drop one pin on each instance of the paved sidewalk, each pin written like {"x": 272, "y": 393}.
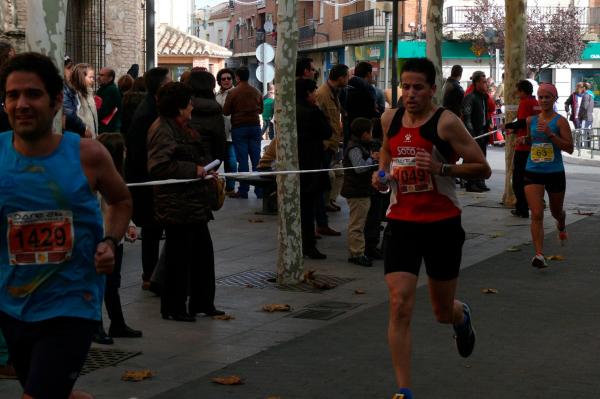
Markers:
{"x": 537, "y": 338}
{"x": 304, "y": 358}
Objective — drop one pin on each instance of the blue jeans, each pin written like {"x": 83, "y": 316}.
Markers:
{"x": 246, "y": 140}
{"x": 230, "y": 165}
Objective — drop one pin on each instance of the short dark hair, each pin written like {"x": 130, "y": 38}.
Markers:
{"x": 111, "y": 73}
{"x": 125, "y": 83}
{"x": 456, "y": 71}
{"x": 301, "y": 65}
{"x": 525, "y": 86}
{"x": 155, "y": 78}
{"x": 362, "y": 69}
{"x": 304, "y": 87}
{"x": 139, "y": 84}
{"x": 173, "y": 97}
{"x": 36, "y": 63}
{"x": 420, "y": 65}
{"x": 243, "y": 73}
{"x": 477, "y": 75}
{"x": 359, "y": 126}
{"x": 337, "y": 71}
{"x": 202, "y": 84}
{"x": 223, "y": 71}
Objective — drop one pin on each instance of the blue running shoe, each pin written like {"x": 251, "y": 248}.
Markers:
{"x": 465, "y": 334}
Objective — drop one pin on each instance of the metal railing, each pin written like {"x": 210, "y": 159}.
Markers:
{"x": 587, "y": 140}
{"x": 363, "y": 24}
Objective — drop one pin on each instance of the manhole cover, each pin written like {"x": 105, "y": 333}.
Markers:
{"x": 317, "y": 314}
{"x": 333, "y": 305}
{"x": 99, "y": 358}
{"x": 487, "y": 204}
{"x": 260, "y": 279}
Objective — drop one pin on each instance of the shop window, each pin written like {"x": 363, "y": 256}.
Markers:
{"x": 587, "y": 75}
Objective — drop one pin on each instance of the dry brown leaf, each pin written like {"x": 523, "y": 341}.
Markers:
{"x": 139, "y": 375}
{"x": 321, "y": 285}
{"x": 249, "y": 286}
{"x": 256, "y": 220}
{"x": 309, "y": 275}
{"x": 489, "y": 291}
{"x": 224, "y": 317}
{"x": 555, "y": 257}
{"x": 228, "y": 380}
{"x": 359, "y": 291}
{"x": 277, "y": 307}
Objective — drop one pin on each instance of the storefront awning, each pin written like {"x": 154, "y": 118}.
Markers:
{"x": 450, "y": 50}
{"x": 591, "y": 51}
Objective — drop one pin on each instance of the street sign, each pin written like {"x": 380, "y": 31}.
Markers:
{"x": 269, "y": 73}
{"x": 265, "y": 53}
{"x": 268, "y": 26}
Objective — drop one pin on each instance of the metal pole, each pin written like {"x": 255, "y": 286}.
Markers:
{"x": 150, "y": 39}
{"x": 498, "y": 74}
{"x": 395, "y": 53}
{"x": 264, "y": 70}
{"x": 387, "y": 50}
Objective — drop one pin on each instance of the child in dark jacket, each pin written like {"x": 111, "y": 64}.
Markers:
{"x": 357, "y": 187}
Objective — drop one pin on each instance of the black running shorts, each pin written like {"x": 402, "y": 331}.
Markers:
{"x": 48, "y": 355}
{"x": 438, "y": 243}
{"x": 553, "y": 182}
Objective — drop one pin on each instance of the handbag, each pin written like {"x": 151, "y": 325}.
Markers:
{"x": 219, "y": 194}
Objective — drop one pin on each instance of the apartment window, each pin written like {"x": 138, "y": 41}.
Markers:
{"x": 321, "y": 12}
{"x": 208, "y": 37}
{"x": 220, "y": 37}
{"x": 336, "y": 12}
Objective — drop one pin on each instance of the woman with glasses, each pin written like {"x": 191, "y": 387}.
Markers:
{"x": 225, "y": 82}
{"x": 548, "y": 134}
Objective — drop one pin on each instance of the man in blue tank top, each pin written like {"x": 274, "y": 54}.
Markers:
{"x": 53, "y": 250}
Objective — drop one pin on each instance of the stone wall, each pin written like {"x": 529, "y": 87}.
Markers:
{"x": 124, "y": 23}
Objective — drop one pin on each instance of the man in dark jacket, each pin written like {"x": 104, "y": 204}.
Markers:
{"x": 109, "y": 114}
{"x": 361, "y": 96}
{"x": 474, "y": 115}
{"x": 453, "y": 91}
{"x": 136, "y": 170}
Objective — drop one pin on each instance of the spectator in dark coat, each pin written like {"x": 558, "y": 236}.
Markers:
{"x": 175, "y": 152}
{"x": 131, "y": 100}
{"x": 109, "y": 113}
{"x": 313, "y": 128}
{"x": 453, "y": 91}
{"x": 136, "y": 170}
{"x": 207, "y": 116}
{"x": 361, "y": 95}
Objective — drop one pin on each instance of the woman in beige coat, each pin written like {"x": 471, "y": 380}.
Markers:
{"x": 82, "y": 80}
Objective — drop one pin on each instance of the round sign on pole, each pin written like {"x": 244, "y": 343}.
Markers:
{"x": 265, "y": 53}
{"x": 269, "y": 72}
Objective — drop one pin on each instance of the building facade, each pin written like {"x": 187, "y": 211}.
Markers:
{"x": 212, "y": 23}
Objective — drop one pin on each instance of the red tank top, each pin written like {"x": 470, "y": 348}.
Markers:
{"x": 418, "y": 196}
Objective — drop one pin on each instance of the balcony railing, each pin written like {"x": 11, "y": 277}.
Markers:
{"x": 306, "y": 35}
{"x": 364, "y": 24}
{"x": 456, "y": 17}
{"x": 249, "y": 44}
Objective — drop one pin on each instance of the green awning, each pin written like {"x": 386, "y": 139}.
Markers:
{"x": 450, "y": 50}
{"x": 591, "y": 51}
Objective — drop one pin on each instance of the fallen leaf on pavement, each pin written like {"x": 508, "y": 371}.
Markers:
{"x": 489, "y": 291}
{"x": 497, "y": 234}
{"x": 584, "y": 213}
{"x": 321, "y": 285}
{"x": 513, "y": 249}
{"x": 249, "y": 286}
{"x": 229, "y": 380}
{"x": 277, "y": 307}
{"x": 135, "y": 376}
{"x": 359, "y": 291}
{"x": 309, "y": 275}
{"x": 555, "y": 257}
{"x": 224, "y": 317}
{"x": 256, "y": 220}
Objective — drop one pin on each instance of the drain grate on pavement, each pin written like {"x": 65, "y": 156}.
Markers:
{"x": 266, "y": 279}
{"x": 333, "y": 305}
{"x": 317, "y": 314}
{"x": 99, "y": 358}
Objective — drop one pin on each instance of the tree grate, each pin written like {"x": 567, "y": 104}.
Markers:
{"x": 99, "y": 358}
{"x": 317, "y": 314}
{"x": 266, "y": 279}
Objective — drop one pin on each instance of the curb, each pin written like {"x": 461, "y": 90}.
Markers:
{"x": 575, "y": 160}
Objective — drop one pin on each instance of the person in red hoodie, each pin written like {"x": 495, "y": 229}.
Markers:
{"x": 528, "y": 106}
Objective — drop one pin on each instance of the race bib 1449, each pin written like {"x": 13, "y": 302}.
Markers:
{"x": 409, "y": 178}
{"x": 40, "y": 237}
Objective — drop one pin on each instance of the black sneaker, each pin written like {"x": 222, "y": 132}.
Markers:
{"x": 516, "y": 213}
{"x": 361, "y": 260}
{"x": 465, "y": 334}
{"x": 313, "y": 253}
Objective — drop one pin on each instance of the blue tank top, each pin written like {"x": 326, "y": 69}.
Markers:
{"x": 545, "y": 156}
{"x": 49, "y": 228}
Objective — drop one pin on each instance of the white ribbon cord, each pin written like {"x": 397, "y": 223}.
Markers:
{"x": 243, "y": 174}
{"x": 486, "y": 134}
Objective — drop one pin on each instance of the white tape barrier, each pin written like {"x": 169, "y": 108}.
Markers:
{"x": 243, "y": 174}
{"x": 486, "y": 134}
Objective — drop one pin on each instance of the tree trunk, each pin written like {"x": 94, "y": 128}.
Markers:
{"x": 434, "y": 43}
{"x": 514, "y": 70}
{"x": 45, "y": 33}
{"x": 289, "y": 263}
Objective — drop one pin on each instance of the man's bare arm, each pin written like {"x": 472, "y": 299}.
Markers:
{"x": 385, "y": 156}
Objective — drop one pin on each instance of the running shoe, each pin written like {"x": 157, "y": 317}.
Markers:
{"x": 539, "y": 261}
{"x": 403, "y": 393}
{"x": 465, "y": 334}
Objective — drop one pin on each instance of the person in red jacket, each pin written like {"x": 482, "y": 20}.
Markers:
{"x": 528, "y": 106}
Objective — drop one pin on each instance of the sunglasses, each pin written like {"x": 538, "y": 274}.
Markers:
{"x": 226, "y": 78}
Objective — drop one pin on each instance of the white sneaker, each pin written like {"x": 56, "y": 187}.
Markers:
{"x": 539, "y": 261}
